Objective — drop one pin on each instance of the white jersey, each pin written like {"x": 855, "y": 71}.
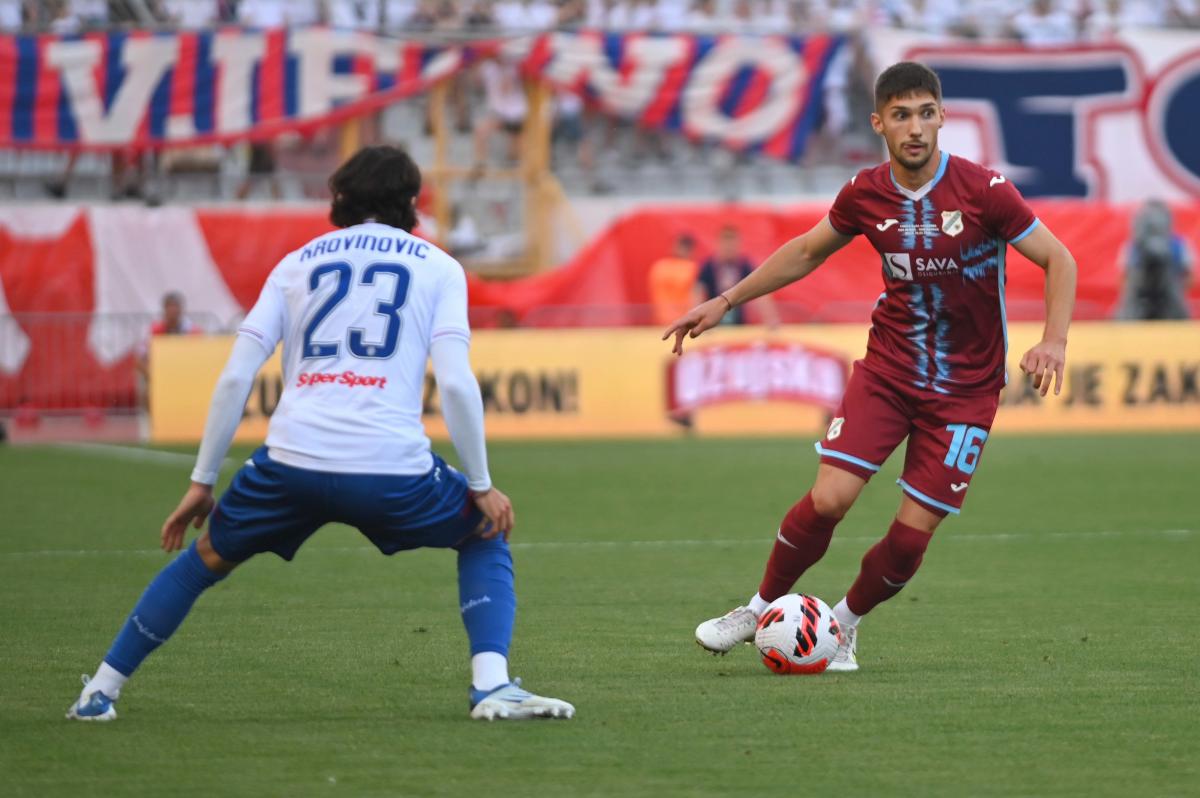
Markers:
{"x": 356, "y": 310}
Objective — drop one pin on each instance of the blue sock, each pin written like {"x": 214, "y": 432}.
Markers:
{"x": 486, "y": 595}
{"x": 160, "y": 610}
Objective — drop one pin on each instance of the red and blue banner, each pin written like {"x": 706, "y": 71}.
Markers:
{"x": 147, "y": 90}
{"x": 1114, "y": 121}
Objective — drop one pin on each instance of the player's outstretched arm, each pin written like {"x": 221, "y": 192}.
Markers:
{"x": 224, "y": 415}
{"x": 1048, "y": 358}
{"x": 794, "y": 260}
{"x": 462, "y": 407}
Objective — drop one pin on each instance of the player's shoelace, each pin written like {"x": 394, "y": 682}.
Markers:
{"x": 727, "y": 622}
{"x": 846, "y": 646}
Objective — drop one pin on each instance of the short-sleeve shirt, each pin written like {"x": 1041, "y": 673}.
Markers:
{"x": 718, "y": 276}
{"x": 671, "y": 281}
{"x": 940, "y": 322}
{"x": 357, "y": 310}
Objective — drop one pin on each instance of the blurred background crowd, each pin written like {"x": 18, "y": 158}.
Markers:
{"x": 1038, "y": 22}
{"x": 593, "y": 153}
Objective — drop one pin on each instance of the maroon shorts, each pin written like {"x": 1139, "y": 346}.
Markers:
{"x": 945, "y": 436}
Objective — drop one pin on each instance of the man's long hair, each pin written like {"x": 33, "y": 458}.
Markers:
{"x": 378, "y": 183}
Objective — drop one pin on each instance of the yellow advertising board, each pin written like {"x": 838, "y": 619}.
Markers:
{"x": 736, "y": 381}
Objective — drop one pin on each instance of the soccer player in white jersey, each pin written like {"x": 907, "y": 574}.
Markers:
{"x": 359, "y": 312}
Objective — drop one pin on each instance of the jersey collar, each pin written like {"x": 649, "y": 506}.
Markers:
{"x": 925, "y": 189}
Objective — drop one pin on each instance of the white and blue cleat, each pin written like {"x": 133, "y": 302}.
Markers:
{"x": 511, "y": 702}
{"x": 92, "y": 706}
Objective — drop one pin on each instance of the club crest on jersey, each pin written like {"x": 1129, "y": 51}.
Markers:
{"x": 952, "y": 223}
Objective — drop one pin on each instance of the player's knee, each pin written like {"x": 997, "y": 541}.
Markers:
{"x": 211, "y": 559}
{"x": 831, "y": 502}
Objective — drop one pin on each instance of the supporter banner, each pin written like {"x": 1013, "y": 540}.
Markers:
{"x": 141, "y": 89}
{"x": 111, "y": 266}
{"x": 1114, "y": 121}
{"x": 594, "y": 383}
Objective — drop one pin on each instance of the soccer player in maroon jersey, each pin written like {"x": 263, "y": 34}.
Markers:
{"x": 935, "y": 353}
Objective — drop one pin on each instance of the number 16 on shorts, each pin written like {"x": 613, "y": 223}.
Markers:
{"x": 965, "y": 447}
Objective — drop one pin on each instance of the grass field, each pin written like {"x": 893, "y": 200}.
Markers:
{"x": 1047, "y": 647}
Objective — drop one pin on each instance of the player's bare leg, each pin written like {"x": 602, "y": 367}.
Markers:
{"x": 886, "y": 568}
{"x": 801, "y": 540}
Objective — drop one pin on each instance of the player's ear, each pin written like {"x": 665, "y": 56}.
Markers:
{"x": 877, "y": 123}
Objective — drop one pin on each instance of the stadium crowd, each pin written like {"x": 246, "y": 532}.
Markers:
{"x": 1039, "y": 22}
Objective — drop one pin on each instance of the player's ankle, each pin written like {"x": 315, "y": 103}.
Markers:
{"x": 845, "y": 616}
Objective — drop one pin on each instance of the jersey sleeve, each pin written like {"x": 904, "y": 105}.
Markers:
{"x": 843, "y": 214}
{"x": 264, "y": 323}
{"x": 1005, "y": 213}
{"x": 450, "y": 309}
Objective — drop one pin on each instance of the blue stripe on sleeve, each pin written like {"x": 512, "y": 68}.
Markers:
{"x": 1027, "y": 231}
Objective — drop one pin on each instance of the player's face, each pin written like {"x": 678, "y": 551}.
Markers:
{"x": 910, "y": 127}
{"x": 728, "y": 246}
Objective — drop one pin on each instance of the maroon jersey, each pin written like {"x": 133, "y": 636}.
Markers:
{"x": 940, "y": 322}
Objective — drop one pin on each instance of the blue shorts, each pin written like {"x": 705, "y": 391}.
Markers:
{"x": 274, "y": 507}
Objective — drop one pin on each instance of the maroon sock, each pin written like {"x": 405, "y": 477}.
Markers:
{"x": 803, "y": 538}
{"x": 887, "y": 566}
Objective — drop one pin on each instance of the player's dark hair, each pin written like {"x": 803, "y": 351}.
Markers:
{"x": 904, "y": 79}
{"x": 377, "y": 183}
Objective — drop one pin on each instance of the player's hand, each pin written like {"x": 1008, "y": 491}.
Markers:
{"x": 1043, "y": 361}
{"x": 700, "y": 318}
{"x": 497, "y": 509}
{"x": 193, "y": 509}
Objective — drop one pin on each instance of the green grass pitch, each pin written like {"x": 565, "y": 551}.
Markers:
{"x": 1047, "y": 647}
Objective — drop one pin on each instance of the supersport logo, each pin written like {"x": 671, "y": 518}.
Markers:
{"x": 348, "y": 378}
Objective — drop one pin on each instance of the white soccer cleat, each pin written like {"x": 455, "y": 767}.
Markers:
{"x": 92, "y": 705}
{"x": 511, "y": 702}
{"x": 846, "y": 657}
{"x": 720, "y": 635}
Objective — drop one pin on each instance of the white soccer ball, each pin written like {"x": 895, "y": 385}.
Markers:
{"x": 797, "y": 634}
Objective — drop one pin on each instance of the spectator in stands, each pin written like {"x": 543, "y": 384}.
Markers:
{"x": 395, "y": 14}
{"x": 671, "y": 280}
{"x": 11, "y": 16}
{"x": 261, "y": 169}
{"x": 505, "y": 109}
{"x": 191, "y": 14}
{"x": 173, "y": 320}
{"x": 1043, "y": 25}
{"x": 1102, "y": 21}
{"x": 526, "y": 15}
{"x": 671, "y": 15}
{"x": 703, "y": 17}
{"x": 570, "y": 136}
{"x": 722, "y": 270}
{"x": 1158, "y": 267}
{"x": 278, "y": 13}
{"x": 572, "y": 15}
{"x": 354, "y": 14}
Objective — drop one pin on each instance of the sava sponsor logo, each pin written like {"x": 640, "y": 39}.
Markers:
{"x": 902, "y": 266}
{"x": 345, "y": 378}
{"x": 755, "y": 372}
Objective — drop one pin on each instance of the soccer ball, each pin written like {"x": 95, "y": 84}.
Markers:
{"x": 797, "y": 634}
